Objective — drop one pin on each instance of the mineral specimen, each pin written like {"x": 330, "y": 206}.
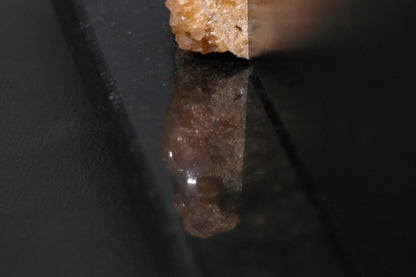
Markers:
{"x": 210, "y": 25}
{"x": 203, "y": 144}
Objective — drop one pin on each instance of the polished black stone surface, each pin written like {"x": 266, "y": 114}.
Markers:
{"x": 328, "y": 162}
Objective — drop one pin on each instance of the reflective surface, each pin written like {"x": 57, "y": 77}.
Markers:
{"x": 335, "y": 125}
{"x": 203, "y": 142}
{"x": 240, "y": 197}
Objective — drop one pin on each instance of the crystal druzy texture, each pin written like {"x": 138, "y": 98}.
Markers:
{"x": 210, "y": 25}
{"x": 203, "y": 145}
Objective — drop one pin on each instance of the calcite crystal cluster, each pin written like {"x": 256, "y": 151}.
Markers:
{"x": 211, "y": 25}
{"x": 203, "y": 146}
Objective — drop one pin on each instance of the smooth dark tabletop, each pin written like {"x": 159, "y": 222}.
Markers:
{"x": 130, "y": 71}
{"x": 338, "y": 123}
{"x": 63, "y": 207}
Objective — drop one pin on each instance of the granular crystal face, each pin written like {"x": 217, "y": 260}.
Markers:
{"x": 210, "y": 25}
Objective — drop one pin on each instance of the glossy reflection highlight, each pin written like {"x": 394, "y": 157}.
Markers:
{"x": 203, "y": 142}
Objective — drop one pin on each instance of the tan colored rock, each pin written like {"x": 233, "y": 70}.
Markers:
{"x": 210, "y": 25}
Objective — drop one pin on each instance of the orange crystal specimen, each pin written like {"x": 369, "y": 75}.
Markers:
{"x": 210, "y": 25}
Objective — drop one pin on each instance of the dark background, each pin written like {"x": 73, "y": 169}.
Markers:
{"x": 63, "y": 208}
{"x": 347, "y": 104}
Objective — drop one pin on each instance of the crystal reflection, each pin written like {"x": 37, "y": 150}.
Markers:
{"x": 204, "y": 137}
